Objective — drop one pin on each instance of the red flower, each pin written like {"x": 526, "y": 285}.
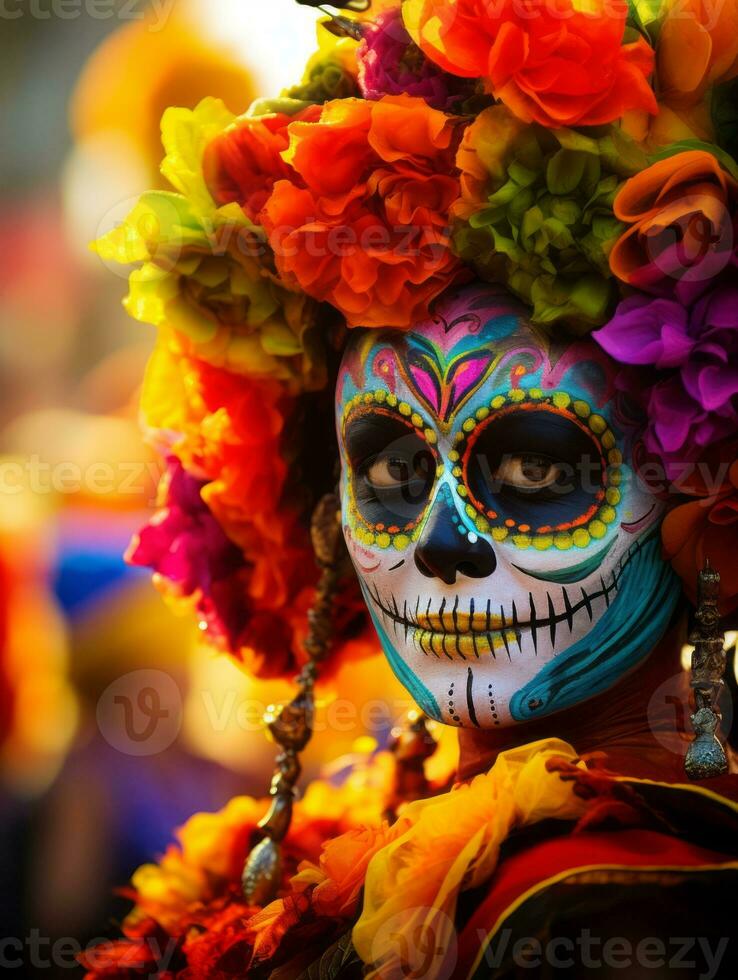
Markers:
{"x": 548, "y": 61}
{"x": 217, "y": 946}
{"x": 369, "y": 232}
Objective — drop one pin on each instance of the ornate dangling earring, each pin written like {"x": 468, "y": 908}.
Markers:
{"x": 412, "y": 745}
{"x": 292, "y": 726}
{"x": 706, "y": 756}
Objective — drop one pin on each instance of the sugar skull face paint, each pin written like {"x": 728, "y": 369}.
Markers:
{"x": 506, "y": 555}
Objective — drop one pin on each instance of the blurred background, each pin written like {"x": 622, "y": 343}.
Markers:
{"x": 85, "y": 796}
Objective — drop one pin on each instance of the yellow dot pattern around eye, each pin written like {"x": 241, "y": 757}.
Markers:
{"x": 380, "y": 535}
{"x": 586, "y": 528}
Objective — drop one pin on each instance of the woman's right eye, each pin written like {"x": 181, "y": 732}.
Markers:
{"x": 393, "y": 470}
{"x": 388, "y": 471}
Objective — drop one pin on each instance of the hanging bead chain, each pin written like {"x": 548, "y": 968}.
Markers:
{"x": 291, "y": 726}
{"x": 706, "y": 756}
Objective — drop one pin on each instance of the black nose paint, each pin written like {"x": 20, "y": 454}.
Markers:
{"x": 444, "y": 549}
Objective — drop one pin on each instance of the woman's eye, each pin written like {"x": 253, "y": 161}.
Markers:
{"x": 528, "y": 471}
{"x": 390, "y": 471}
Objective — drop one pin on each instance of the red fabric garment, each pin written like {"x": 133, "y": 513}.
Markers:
{"x": 604, "y": 861}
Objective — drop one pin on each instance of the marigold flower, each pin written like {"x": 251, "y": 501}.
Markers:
{"x": 230, "y": 437}
{"x": 550, "y": 61}
{"x": 369, "y": 233}
{"x": 450, "y": 843}
{"x": 191, "y": 900}
{"x": 244, "y": 162}
{"x": 682, "y": 216}
{"x": 329, "y": 889}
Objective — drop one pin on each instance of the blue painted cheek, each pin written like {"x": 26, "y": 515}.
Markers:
{"x": 621, "y": 639}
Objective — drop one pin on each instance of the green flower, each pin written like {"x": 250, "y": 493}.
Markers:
{"x": 536, "y": 213}
{"x": 324, "y": 80}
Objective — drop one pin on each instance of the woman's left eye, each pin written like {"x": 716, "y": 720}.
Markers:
{"x": 528, "y": 471}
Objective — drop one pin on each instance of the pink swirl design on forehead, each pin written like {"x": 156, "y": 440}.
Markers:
{"x": 465, "y": 315}
{"x": 518, "y": 369}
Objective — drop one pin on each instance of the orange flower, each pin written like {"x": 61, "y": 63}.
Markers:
{"x": 368, "y": 233}
{"x": 681, "y": 215}
{"x": 245, "y": 161}
{"x": 697, "y": 48}
{"x": 229, "y": 433}
{"x": 702, "y": 529}
{"x": 231, "y": 436}
{"x": 329, "y": 890}
{"x": 549, "y": 61}
{"x": 343, "y": 864}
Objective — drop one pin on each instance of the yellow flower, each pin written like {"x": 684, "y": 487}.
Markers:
{"x": 452, "y": 844}
{"x": 205, "y": 276}
{"x": 211, "y": 848}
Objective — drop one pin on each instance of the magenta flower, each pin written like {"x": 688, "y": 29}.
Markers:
{"x": 186, "y": 546}
{"x": 390, "y": 63}
{"x": 692, "y": 400}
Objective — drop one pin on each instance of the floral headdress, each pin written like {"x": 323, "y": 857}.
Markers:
{"x": 580, "y": 154}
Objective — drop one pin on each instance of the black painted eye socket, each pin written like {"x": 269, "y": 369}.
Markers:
{"x": 393, "y": 468}
{"x": 536, "y": 467}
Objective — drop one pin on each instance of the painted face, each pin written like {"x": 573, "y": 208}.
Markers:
{"x": 509, "y": 560}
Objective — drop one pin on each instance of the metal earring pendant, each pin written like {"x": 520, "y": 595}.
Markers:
{"x": 291, "y": 726}
{"x": 705, "y": 756}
